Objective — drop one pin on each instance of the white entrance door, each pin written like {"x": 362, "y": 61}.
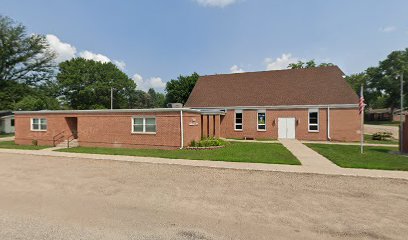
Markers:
{"x": 286, "y": 128}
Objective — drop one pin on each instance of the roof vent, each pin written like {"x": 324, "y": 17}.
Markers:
{"x": 174, "y": 105}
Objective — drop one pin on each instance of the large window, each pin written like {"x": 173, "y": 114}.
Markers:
{"x": 38, "y": 124}
{"x": 313, "y": 120}
{"x": 144, "y": 125}
{"x": 238, "y": 120}
{"x": 261, "y": 120}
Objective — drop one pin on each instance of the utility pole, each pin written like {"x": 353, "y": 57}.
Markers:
{"x": 111, "y": 98}
{"x": 401, "y": 110}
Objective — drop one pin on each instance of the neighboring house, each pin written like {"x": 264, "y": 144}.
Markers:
{"x": 397, "y": 115}
{"x": 306, "y": 104}
{"x": 380, "y": 114}
{"x": 6, "y": 122}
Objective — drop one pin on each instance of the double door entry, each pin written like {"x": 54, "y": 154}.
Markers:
{"x": 287, "y": 128}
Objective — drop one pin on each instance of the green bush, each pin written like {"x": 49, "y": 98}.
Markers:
{"x": 208, "y": 142}
{"x": 381, "y": 136}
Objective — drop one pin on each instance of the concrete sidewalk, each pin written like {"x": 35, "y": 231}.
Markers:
{"x": 310, "y": 167}
{"x": 308, "y": 157}
{"x": 6, "y": 139}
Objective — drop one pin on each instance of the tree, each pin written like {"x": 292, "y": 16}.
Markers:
{"x": 308, "y": 64}
{"x": 178, "y": 90}
{"x": 22, "y": 57}
{"x": 35, "y": 103}
{"x": 26, "y": 62}
{"x": 158, "y": 99}
{"x": 373, "y": 98}
{"x": 86, "y": 84}
{"x": 385, "y": 78}
{"x": 141, "y": 99}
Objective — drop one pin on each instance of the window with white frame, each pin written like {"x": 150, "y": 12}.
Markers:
{"x": 238, "y": 120}
{"x": 38, "y": 124}
{"x": 143, "y": 125}
{"x": 313, "y": 120}
{"x": 261, "y": 120}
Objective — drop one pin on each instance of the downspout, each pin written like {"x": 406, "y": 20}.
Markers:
{"x": 181, "y": 130}
{"x": 328, "y": 123}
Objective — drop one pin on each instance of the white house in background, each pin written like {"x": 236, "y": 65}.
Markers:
{"x": 6, "y": 122}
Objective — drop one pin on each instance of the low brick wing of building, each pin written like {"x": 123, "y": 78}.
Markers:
{"x": 307, "y": 104}
{"x": 165, "y": 128}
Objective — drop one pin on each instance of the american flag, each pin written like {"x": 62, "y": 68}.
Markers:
{"x": 361, "y": 104}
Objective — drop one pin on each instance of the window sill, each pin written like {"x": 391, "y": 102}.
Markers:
{"x": 143, "y": 133}
{"x": 261, "y": 130}
{"x": 38, "y": 130}
{"x": 313, "y": 131}
{"x": 238, "y": 130}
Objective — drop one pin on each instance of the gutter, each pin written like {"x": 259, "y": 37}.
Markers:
{"x": 328, "y": 123}
{"x": 181, "y": 130}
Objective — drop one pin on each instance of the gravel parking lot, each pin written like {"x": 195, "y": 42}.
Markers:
{"x": 66, "y": 198}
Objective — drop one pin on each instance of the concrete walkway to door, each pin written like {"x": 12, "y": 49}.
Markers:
{"x": 308, "y": 157}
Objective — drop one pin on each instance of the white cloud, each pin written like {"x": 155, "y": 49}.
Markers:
{"x": 144, "y": 84}
{"x": 215, "y": 3}
{"x": 236, "y": 69}
{"x": 94, "y": 56}
{"x": 280, "y": 62}
{"x": 121, "y": 64}
{"x": 64, "y": 51}
{"x": 388, "y": 29}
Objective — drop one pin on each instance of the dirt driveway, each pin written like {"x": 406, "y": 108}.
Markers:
{"x": 64, "y": 198}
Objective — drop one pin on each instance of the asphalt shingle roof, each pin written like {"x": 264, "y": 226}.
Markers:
{"x": 312, "y": 86}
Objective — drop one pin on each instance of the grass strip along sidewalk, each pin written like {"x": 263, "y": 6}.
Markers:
{"x": 234, "y": 152}
{"x": 349, "y": 156}
{"x": 12, "y": 145}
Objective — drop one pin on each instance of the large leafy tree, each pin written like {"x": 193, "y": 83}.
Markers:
{"x": 308, "y": 64}
{"x": 87, "y": 84}
{"x": 158, "y": 99}
{"x": 178, "y": 90}
{"x": 26, "y": 63}
{"x": 386, "y": 77}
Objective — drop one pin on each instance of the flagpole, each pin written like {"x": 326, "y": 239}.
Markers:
{"x": 361, "y": 120}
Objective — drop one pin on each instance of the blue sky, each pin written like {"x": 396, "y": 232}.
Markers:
{"x": 154, "y": 41}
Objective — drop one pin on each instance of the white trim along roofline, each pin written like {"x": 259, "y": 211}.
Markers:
{"x": 283, "y": 107}
{"x": 110, "y": 111}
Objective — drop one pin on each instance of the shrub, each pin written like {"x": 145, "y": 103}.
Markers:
{"x": 208, "y": 142}
{"x": 34, "y": 142}
{"x": 381, "y": 136}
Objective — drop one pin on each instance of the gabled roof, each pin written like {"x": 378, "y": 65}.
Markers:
{"x": 312, "y": 86}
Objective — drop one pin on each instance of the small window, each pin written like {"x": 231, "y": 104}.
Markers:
{"x": 38, "y": 124}
{"x": 144, "y": 125}
{"x": 261, "y": 120}
{"x": 313, "y": 120}
{"x": 238, "y": 120}
{"x": 12, "y": 122}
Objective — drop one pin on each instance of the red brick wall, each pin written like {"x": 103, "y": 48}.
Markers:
{"x": 24, "y": 135}
{"x": 344, "y": 124}
{"x": 113, "y": 130}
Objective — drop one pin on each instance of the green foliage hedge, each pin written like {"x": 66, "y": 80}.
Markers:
{"x": 208, "y": 142}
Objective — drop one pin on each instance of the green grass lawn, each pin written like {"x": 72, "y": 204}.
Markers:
{"x": 368, "y": 139}
{"x": 12, "y": 145}
{"x": 349, "y": 156}
{"x": 233, "y": 152}
{"x": 2, "y": 135}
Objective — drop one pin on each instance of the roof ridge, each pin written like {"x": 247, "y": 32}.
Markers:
{"x": 276, "y": 70}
